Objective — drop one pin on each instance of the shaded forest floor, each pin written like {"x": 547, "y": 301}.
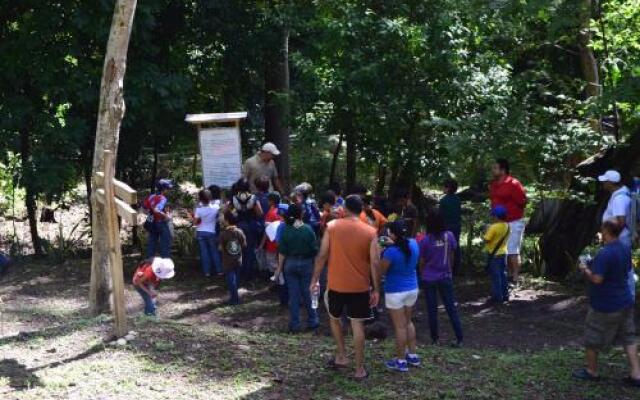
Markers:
{"x": 201, "y": 349}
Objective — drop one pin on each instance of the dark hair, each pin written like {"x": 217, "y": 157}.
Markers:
{"x": 294, "y": 212}
{"x": 358, "y": 188}
{"x": 401, "y": 193}
{"x": 204, "y": 196}
{"x": 399, "y": 229}
{"x": 328, "y": 198}
{"x": 335, "y": 187}
{"x": 215, "y": 192}
{"x": 435, "y": 223}
{"x": 231, "y": 216}
{"x": 613, "y": 227}
{"x": 504, "y": 165}
{"x": 367, "y": 200}
{"x": 262, "y": 184}
{"x": 451, "y": 184}
{"x": 274, "y": 197}
{"x": 353, "y": 203}
{"x": 241, "y": 185}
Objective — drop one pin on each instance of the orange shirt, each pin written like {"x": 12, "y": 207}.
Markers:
{"x": 378, "y": 222}
{"x": 349, "y": 261}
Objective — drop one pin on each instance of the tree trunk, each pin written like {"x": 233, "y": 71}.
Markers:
{"x": 381, "y": 180}
{"x": 110, "y": 114}
{"x": 588, "y": 62}
{"x": 334, "y": 159}
{"x": 352, "y": 156}
{"x": 30, "y": 195}
{"x": 154, "y": 168}
{"x": 276, "y": 112}
{"x": 568, "y": 227}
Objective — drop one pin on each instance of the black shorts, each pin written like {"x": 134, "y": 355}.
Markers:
{"x": 354, "y": 305}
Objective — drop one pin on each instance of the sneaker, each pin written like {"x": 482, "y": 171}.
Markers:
{"x": 397, "y": 365}
{"x": 413, "y": 361}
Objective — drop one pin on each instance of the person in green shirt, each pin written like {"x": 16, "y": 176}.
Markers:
{"x": 451, "y": 211}
{"x": 298, "y": 247}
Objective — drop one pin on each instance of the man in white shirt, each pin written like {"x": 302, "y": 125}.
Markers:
{"x": 619, "y": 203}
{"x": 617, "y": 209}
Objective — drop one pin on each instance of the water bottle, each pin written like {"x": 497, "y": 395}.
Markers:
{"x": 315, "y": 296}
{"x": 585, "y": 259}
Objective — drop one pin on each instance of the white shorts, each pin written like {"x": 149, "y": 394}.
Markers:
{"x": 396, "y": 301}
{"x": 515, "y": 237}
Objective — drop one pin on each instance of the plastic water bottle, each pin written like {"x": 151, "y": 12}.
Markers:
{"x": 315, "y": 297}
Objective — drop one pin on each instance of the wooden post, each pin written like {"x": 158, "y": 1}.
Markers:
{"x": 113, "y": 245}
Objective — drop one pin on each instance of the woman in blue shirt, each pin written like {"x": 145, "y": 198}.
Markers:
{"x": 399, "y": 261}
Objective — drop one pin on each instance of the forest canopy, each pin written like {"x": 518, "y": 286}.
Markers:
{"x": 385, "y": 93}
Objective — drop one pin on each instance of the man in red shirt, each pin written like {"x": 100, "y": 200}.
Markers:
{"x": 507, "y": 191}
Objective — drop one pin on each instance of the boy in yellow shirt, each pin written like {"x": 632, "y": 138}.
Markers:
{"x": 496, "y": 239}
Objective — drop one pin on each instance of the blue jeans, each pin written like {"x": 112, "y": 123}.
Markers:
{"x": 149, "y": 304}
{"x": 249, "y": 260}
{"x": 159, "y": 233}
{"x": 297, "y": 274}
{"x": 456, "y": 230}
{"x": 497, "y": 268}
{"x": 209, "y": 253}
{"x": 445, "y": 288}
{"x": 232, "y": 284}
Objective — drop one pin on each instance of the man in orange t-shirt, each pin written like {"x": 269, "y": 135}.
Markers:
{"x": 353, "y": 255}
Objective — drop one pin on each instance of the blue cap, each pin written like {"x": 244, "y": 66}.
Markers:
{"x": 282, "y": 208}
{"x": 499, "y": 212}
{"x": 164, "y": 184}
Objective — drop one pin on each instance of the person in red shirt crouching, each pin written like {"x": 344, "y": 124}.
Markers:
{"x": 507, "y": 191}
{"x": 147, "y": 278}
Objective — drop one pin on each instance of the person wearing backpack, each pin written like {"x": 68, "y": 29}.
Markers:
{"x": 619, "y": 210}
{"x": 310, "y": 212}
{"x": 157, "y": 223}
{"x": 437, "y": 250}
{"x": 496, "y": 239}
{"x": 232, "y": 244}
{"x": 250, "y": 222}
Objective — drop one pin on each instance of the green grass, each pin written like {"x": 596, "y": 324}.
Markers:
{"x": 64, "y": 356}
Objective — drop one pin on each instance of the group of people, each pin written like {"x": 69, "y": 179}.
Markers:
{"x": 351, "y": 252}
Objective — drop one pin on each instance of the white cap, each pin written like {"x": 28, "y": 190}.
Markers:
{"x": 270, "y": 148}
{"x": 163, "y": 268}
{"x": 610, "y": 176}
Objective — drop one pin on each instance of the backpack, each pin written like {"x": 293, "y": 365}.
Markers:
{"x": 311, "y": 214}
{"x": 632, "y": 217}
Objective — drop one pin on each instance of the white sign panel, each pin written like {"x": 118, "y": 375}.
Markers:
{"x": 221, "y": 156}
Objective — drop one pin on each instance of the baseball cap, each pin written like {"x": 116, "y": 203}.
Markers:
{"x": 270, "y": 148}
{"x": 499, "y": 212}
{"x": 163, "y": 268}
{"x": 610, "y": 176}
{"x": 164, "y": 184}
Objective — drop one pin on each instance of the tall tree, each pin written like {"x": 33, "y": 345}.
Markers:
{"x": 110, "y": 114}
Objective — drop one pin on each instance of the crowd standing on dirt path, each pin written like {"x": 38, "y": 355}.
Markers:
{"x": 357, "y": 251}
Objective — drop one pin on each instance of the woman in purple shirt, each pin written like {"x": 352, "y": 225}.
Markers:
{"x": 437, "y": 251}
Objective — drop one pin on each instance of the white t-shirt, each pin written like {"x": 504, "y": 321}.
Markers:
{"x": 208, "y": 216}
{"x": 618, "y": 206}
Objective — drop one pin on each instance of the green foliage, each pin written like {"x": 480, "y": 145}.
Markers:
{"x": 431, "y": 88}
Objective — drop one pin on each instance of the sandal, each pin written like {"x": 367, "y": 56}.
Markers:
{"x": 584, "y": 375}
{"x": 362, "y": 378}
{"x": 332, "y": 364}
{"x": 632, "y": 382}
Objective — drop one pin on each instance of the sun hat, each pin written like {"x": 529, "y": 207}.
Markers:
{"x": 163, "y": 268}
{"x": 270, "y": 148}
{"x": 610, "y": 176}
{"x": 499, "y": 212}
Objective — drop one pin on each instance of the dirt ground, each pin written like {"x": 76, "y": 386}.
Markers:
{"x": 51, "y": 348}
